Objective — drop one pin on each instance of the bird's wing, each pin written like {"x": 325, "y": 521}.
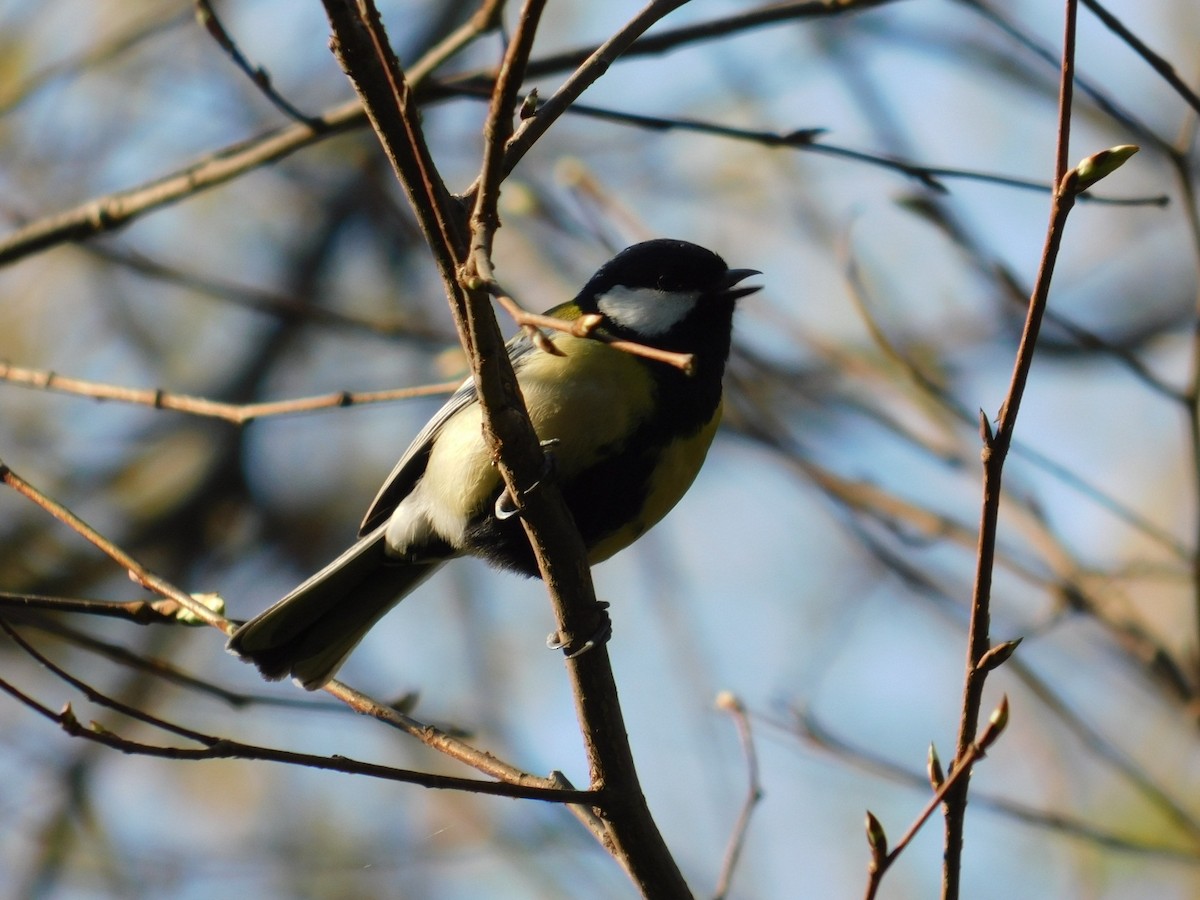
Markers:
{"x": 411, "y": 466}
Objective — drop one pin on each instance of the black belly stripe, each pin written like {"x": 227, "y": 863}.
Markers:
{"x": 603, "y": 499}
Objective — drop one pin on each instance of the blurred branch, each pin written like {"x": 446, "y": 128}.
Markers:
{"x": 930, "y": 387}
{"x": 1074, "y": 585}
{"x": 1156, "y": 62}
{"x": 237, "y": 413}
{"x": 139, "y": 31}
{"x": 137, "y": 573}
{"x": 809, "y": 140}
{"x": 1051, "y": 56}
{"x": 1190, "y": 402}
{"x": 754, "y": 793}
{"x": 111, "y": 211}
{"x": 805, "y": 725}
{"x": 269, "y": 302}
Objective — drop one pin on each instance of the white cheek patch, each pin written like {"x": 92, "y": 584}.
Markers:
{"x": 646, "y": 310}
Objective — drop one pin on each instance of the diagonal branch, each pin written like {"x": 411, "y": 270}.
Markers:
{"x": 214, "y": 747}
{"x": 361, "y": 47}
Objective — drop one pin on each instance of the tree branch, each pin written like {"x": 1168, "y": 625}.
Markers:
{"x": 361, "y": 47}
{"x": 995, "y": 450}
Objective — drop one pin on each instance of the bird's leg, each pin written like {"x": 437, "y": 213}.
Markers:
{"x": 506, "y": 507}
{"x": 556, "y": 641}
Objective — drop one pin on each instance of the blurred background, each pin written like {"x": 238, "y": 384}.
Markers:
{"x": 821, "y": 567}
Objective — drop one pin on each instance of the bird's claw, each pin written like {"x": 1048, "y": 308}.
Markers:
{"x": 506, "y": 507}
{"x": 556, "y": 641}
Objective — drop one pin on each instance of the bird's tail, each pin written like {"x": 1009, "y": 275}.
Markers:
{"x": 310, "y": 632}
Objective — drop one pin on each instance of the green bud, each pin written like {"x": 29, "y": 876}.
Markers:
{"x": 876, "y": 837}
{"x": 1100, "y": 165}
{"x": 997, "y": 722}
{"x": 212, "y": 601}
{"x": 933, "y": 766}
{"x": 998, "y": 655}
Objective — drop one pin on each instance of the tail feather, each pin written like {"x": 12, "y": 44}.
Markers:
{"x": 310, "y": 632}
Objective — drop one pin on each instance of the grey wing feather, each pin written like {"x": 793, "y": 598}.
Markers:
{"x": 411, "y": 466}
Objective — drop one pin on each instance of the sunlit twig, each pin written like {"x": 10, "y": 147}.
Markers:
{"x": 237, "y": 413}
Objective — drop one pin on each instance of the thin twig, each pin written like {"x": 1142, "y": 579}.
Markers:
{"x": 458, "y": 749}
{"x": 881, "y": 857}
{"x": 1156, "y": 62}
{"x": 140, "y": 612}
{"x": 806, "y": 726}
{"x": 214, "y": 747}
{"x": 237, "y": 413}
{"x": 809, "y": 140}
{"x": 112, "y": 211}
{"x": 259, "y": 77}
{"x": 137, "y": 573}
{"x": 754, "y": 792}
{"x": 585, "y": 327}
{"x": 168, "y": 671}
{"x": 532, "y": 128}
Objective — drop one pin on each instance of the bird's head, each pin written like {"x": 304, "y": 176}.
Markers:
{"x": 668, "y": 294}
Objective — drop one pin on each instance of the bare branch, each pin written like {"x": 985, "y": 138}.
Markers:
{"x": 237, "y": 413}
{"x": 137, "y": 573}
{"x": 112, "y": 211}
{"x": 261, "y": 79}
{"x": 214, "y": 747}
{"x": 881, "y": 857}
{"x": 631, "y": 835}
{"x": 754, "y": 792}
{"x": 1158, "y": 63}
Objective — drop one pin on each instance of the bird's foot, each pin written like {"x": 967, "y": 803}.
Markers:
{"x": 506, "y": 507}
{"x": 556, "y": 641}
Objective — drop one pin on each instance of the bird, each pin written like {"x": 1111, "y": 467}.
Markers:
{"x": 626, "y": 435}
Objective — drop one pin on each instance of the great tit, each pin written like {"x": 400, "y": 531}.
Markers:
{"x": 628, "y": 435}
